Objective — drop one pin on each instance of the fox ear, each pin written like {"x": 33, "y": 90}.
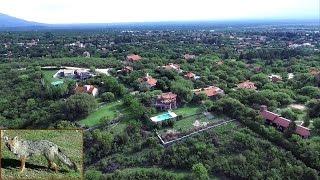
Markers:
{"x": 15, "y": 138}
{"x": 5, "y": 138}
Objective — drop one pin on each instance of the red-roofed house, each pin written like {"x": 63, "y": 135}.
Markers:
{"x": 172, "y": 66}
{"x": 90, "y": 89}
{"x": 166, "y": 101}
{"x": 133, "y": 58}
{"x": 281, "y": 122}
{"x": 191, "y": 75}
{"x": 210, "y": 91}
{"x": 314, "y": 71}
{"x": 247, "y": 85}
{"x": 148, "y": 80}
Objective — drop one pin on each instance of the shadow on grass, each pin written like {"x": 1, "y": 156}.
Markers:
{"x": 15, "y": 164}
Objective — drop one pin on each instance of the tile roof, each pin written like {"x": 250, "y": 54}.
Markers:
{"x": 247, "y": 85}
{"x": 209, "y": 91}
{"x": 149, "y": 80}
{"x": 85, "y": 89}
{"x": 168, "y": 95}
{"x": 190, "y": 75}
{"x": 133, "y": 57}
{"x": 281, "y": 121}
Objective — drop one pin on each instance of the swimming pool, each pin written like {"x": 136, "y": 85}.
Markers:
{"x": 163, "y": 117}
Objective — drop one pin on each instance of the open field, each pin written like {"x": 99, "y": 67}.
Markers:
{"x": 187, "y": 123}
{"x": 190, "y": 114}
{"x": 70, "y": 141}
{"x": 106, "y": 113}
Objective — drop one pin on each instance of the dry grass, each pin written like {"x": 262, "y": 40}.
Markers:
{"x": 70, "y": 141}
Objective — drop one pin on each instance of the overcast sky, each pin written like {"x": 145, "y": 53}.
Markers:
{"x": 107, "y": 11}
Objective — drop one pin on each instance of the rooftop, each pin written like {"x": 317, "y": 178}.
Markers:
{"x": 209, "y": 91}
{"x": 247, "y": 85}
{"x": 134, "y": 57}
{"x": 281, "y": 121}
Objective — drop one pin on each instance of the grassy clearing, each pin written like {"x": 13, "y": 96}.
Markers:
{"x": 187, "y": 111}
{"x": 48, "y": 74}
{"x": 105, "y": 113}
{"x": 118, "y": 128}
{"x": 302, "y": 115}
{"x": 187, "y": 123}
{"x": 190, "y": 114}
{"x": 70, "y": 141}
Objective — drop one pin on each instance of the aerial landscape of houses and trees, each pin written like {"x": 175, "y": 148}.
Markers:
{"x": 170, "y": 99}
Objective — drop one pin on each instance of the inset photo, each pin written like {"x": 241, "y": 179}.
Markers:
{"x": 41, "y": 154}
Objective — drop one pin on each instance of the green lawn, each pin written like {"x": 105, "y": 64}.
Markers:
{"x": 187, "y": 111}
{"x": 70, "y": 142}
{"x": 189, "y": 115}
{"x": 48, "y": 74}
{"x": 106, "y": 112}
{"x": 187, "y": 123}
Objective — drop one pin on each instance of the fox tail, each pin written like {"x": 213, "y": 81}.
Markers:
{"x": 63, "y": 158}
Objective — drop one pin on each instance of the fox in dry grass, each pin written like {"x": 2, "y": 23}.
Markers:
{"x": 25, "y": 149}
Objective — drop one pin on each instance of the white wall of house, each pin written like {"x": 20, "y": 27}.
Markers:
{"x": 95, "y": 92}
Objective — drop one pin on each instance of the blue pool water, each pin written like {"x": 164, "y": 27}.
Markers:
{"x": 163, "y": 117}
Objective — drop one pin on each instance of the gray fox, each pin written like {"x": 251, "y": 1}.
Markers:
{"x": 25, "y": 149}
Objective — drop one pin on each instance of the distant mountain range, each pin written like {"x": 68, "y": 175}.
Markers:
{"x": 15, "y": 24}
{"x": 12, "y": 22}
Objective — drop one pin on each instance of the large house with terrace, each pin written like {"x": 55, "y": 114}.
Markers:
{"x": 282, "y": 123}
{"x": 166, "y": 101}
{"x": 80, "y": 74}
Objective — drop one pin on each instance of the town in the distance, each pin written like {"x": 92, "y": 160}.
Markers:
{"x": 171, "y": 101}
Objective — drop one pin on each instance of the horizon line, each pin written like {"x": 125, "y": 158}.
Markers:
{"x": 258, "y": 20}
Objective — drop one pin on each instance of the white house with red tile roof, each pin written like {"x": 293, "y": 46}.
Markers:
{"x": 166, "y": 101}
